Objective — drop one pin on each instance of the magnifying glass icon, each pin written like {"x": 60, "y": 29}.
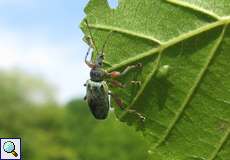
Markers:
{"x": 9, "y": 147}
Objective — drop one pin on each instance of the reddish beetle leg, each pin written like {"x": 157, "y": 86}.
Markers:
{"x": 116, "y": 74}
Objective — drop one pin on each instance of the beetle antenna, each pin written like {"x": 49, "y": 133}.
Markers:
{"x": 89, "y": 63}
{"x": 87, "y": 54}
{"x": 91, "y": 36}
{"x": 106, "y": 41}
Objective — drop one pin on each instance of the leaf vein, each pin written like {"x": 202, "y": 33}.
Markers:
{"x": 193, "y": 89}
{"x": 168, "y": 43}
{"x": 144, "y": 85}
{"x": 121, "y": 30}
{"x": 221, "y": 144}
{"x": 195, "y": 8}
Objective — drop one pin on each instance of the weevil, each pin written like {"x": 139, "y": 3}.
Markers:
{"x": 97, "y": 91}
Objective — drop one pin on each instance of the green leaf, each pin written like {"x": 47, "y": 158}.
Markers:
{"x": 188, "y": 112}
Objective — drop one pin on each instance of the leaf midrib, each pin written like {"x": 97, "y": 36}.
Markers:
{"x": 189, "y": 96}
{"x": 162, "y": 45}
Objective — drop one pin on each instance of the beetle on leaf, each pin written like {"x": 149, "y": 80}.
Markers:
{"x": 98, "y": 93}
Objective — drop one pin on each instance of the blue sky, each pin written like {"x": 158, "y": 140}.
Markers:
{"x": 42, "y": 37}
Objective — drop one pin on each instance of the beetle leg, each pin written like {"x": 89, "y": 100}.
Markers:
{"x": 133, "y": 82}
{"x": 115, "y": 83}
{"x": 121, "y": 105}
{"x": 136, "y": 113}
{"x": 120, "y": 85}
{"x": 116, "y": 74}
{"x": 117, "y": 100}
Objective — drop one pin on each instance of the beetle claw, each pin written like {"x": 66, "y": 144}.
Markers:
{"x": 136, "y": 82}
{"x": 139, "y": 65}
{"x": 142, "y": 118}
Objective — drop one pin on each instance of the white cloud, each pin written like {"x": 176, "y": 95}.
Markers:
{"x": 55, "y": 62}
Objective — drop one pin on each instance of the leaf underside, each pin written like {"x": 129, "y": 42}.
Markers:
{"x": 188, "y": 112}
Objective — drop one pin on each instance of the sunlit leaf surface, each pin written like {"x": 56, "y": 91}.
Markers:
{"x": 188, "y": 112}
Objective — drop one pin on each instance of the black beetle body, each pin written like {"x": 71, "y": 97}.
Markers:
{"x": 97, "y": 97}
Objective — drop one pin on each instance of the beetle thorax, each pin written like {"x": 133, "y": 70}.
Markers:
{"x": 97, "y": 74}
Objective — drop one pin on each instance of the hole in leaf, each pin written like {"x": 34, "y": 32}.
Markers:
{"x": 113, "y": 3}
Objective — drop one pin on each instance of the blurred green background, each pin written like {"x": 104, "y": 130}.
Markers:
{"x": 41, "y": 38}
{"x": 51, "y": 131}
